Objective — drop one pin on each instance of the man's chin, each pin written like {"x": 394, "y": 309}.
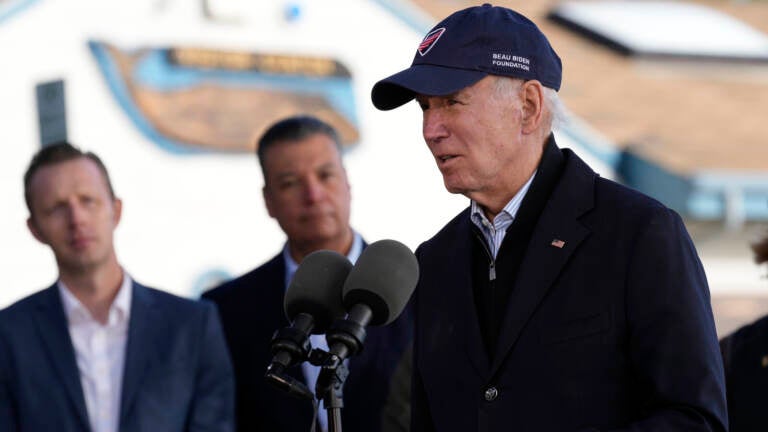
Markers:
{"x": 455, "y": 188}
{"x": 319, "y": 235}
{"x": 81, "y": 264}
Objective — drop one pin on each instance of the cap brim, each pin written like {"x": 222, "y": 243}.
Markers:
{"x": 422, "y": 79}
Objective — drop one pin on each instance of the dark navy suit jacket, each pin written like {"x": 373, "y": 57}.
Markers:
{"x": 745, "y": 354}
{"x": 251, "y": 309}
{"x": 177, "y": 377}
{"x": 610, "y": 330}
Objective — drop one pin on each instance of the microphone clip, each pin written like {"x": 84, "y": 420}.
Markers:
{"x": 348, "y": 334}
{"x": 293, "y": 342}
{"x": 290, "y": 346}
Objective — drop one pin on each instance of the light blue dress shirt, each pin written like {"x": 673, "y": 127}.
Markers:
{"x": 494, "y": 232}
{"x": 311, "y": 372}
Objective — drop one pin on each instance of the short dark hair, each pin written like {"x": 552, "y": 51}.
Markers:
{"x": 294, "y": 128}
{"x": 56, "y": 153}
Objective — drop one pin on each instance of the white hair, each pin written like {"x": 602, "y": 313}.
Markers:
{"x": 558, "y": 115}
{"x": 552, "y": 104}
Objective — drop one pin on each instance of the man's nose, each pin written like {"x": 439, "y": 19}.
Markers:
{"x": 433, "y": 126}
{"x": 77, "y": 214}
{"x": 313, "y": 190}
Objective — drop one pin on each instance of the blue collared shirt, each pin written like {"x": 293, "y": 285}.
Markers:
{"x": 494, "y": 232}
{"x": 312, "y": 372}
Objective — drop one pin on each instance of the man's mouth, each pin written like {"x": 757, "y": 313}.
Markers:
{"x": 80, "y": 242}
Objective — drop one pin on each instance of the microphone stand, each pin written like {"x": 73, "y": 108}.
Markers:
{"x": 345, "y": 337}
{"x": 330, "y": 385}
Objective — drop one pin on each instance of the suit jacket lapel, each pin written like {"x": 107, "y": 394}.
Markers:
{"x": 457, "y": 283}
{"x": 544, "y": 260}
{"x": 54, "y": 331}
{"x": 145, "y": 337}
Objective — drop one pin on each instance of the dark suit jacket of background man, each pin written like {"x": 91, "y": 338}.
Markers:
{"x": 611, "y": 327}
{"x": 251, "y": 309}
{"x": 745, "y": 354}
{"x": 177, "y": 371}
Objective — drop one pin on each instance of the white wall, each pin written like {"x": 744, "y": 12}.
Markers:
{"x": 185, "y": 215}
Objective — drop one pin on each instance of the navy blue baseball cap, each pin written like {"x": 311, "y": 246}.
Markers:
{"x": 467, "y": 46}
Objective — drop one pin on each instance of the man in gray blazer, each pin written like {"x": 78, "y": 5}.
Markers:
{"x": 97, "y": 351}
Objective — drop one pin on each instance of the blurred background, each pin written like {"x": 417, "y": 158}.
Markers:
{"x": 668, "y": 97}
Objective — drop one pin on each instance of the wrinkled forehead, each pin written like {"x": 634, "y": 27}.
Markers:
{"x": 302, "y": 156}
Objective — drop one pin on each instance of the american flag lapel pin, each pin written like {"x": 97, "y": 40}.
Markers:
{"x": 557, "y": 243}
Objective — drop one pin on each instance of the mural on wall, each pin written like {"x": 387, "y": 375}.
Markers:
{"x": 188, "y": 99}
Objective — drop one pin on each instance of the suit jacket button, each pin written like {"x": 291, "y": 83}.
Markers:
{"x": 491, "y": 394}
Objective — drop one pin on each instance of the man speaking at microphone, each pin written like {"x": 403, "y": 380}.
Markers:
{"x": 307, "y": 191}
{"x": 558, "y": 301}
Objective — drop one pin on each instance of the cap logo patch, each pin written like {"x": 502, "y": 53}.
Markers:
{"x": 430, "y": 40}
{"x": 501, "y": 60}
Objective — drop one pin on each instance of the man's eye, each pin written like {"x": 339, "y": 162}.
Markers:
{"x": 57, "y": 209}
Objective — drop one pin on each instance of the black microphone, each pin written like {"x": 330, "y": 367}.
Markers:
{"x": 375, "y": 293}
{"x": 312, "y": 302}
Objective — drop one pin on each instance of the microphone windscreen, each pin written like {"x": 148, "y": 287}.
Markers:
{"x": 383, "y": 279}
{"x": 315, "y": 288}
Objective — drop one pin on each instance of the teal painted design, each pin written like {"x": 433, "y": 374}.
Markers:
{"x": 14, "y": 7}
{"x": 156, "y": 71}
{"x": 120, "y": 92}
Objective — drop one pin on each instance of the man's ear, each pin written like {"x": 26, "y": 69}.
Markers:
{"x": 532, "y": 96}
{"x": 346, "y": 178}
{"x": 267, "y": 200}
{"x": 35, "y": 232}
{"x": 117, "y": 204}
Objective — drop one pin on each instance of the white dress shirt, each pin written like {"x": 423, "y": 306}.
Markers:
{"x": 312, "y": 372}
{"x": 100, "y": 354}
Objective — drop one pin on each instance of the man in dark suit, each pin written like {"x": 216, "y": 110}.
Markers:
{"x": 558, "y": 301}
{"x": 745, "y": 358}
{"x": 97, "y": 351}
{"x": 307, "y": 191}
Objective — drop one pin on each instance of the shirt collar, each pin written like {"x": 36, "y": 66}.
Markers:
{"x": 509, "y": 211}
{"x": 291, "y": 265}
{"x": 77, "y": 313}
